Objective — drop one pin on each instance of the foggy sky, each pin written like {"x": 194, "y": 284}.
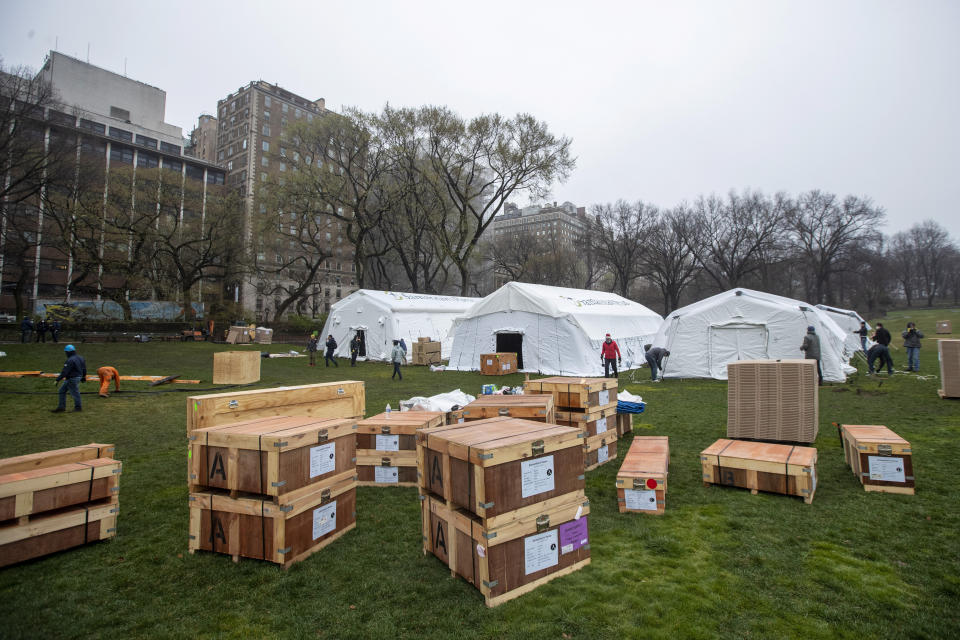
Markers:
{"x": 664, "y": 101}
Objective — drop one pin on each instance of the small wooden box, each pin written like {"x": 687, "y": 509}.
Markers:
{"x": 527, "y": 407}
{"x": 624, "y": 424}
{"x": 944, "y": 326}
{"x": 272, "y": 456}
{"x": 642, "y": 478}
{"x": 576, "y": 394}
{"x": 592, "y": 422}
{"x": 880, "y": 459}
{"x": 494, "y": 467}
{"x": 600, "y": 449}
{"x": 513, "y": 559}
{"x": 345, "y": 399}
{"x": 44, "y": 459}
{"x": 283, "y": 532}
{"x": 454, "y": 416}
{"x": 387, "y": 447}
{"x": 761, "y": 466}
{"x": 236, "y": 367}
{"x": 498, "y": 364}
{"x": 27, "y": 493}
{"x": 55, "y": 531}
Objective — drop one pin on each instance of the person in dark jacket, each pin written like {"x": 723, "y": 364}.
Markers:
{"x": 26, "y": 329}
{"x": 610, "y": 356}
{"x": 882, "y": 353}
{"x": 811, "y": 350}
{"x": 74, "y": 372}
{"x": 312, "y": 346}
{"x": 911, "y": 340}
{"x": 882, "y": 336}
{"x": 331, "y": 347}
{"x": 41, "y": 331}
{"x": 862, "y": 332}
{"x": 354, "y": 349}
{"x": 655, "y": 356}
{"x": 55, "y": 330}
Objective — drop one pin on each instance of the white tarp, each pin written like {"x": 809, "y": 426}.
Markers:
{"x": 561, "y": 329}
{"x": 849, "y": 321}
{"x": 741, "y": 324}
{"x": 385, "y": 316}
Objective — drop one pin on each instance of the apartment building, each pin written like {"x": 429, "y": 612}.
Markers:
{"x": 203, "y": 139}
{"x": 565, "y": 222}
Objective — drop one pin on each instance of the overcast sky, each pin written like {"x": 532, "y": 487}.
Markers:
{"x": 663, "y": 100}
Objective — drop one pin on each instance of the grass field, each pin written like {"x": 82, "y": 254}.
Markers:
{"x": 719, "y": 563}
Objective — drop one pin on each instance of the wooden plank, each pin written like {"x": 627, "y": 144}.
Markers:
{"x": 527, "y": 406}
{"x": 55, "y": 457}
{"x": 75, "y": 517}
{"x": 36, "y": 491}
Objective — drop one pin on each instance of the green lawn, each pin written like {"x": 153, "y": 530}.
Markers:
{"x": 719, "y": 563}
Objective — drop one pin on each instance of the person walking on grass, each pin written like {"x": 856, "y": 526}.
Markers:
{"x": 106, "y": 374}
{"x": 26, "y": 329}
{"x": 74, "y": 372}
{"x": 882, "y": 353}
{"x": 811, "y": 350}
{"x": 396, "y": 357}
{"x": 862, "y": 332}
{"x": 354, "y": 349}
{"x": 331, "y": 347}
{"x": 312, "y": 345}
{"x": 609, "y": 356}
{"x": 655, "y": 356}
{"x": 911, "y": 340}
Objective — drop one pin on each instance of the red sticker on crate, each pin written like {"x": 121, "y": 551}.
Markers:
{"x": 651, "y": 483}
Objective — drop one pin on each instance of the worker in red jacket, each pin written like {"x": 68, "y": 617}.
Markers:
{"x": 610, "y": 356}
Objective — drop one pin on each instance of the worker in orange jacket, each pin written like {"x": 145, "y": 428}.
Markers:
{"x": 106, "y": 375}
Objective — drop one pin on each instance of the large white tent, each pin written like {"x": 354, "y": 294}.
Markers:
{"x": 849, "y": 321}
{"x": 554, "y": 330}
{"x": 741, "y": 324}
{"x": 385, "y": 316}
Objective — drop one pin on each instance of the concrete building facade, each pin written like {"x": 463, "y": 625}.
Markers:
{"x": 203, "y": 139}
{"x": 565, "y": 222}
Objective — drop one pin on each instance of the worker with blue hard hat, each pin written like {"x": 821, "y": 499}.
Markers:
{"x": 74, "y": 372}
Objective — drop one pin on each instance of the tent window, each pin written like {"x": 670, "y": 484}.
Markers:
{"x": 511, "y": 343}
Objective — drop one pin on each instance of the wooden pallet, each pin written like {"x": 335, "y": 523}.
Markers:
{"x": 27, "y": 493}
{"x": 642, "y": 478}
{"x": 387, "y": 447}
{"x": 576, "y": 394}
{"x": 761, "y": 466}
{"x": 527, "y": 407}
{"x": 56, "y": 531}
{"x": 879, "y": 458}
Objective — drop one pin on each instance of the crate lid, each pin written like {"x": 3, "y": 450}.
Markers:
{"x": 763, "y": 452}
{"x": 401, "y": 422}
{"x": 525, "y": 400}
{"x": 496, "y": 441}
{"x": 559, "y": 382}
{"x": 873, "y": 433}
{"x": 278, "y": 433}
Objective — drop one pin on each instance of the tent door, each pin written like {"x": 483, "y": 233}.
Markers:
{"x": 362, "y": 351}
{"x": 732, "y": 343}
{"x": 511, "y": 343}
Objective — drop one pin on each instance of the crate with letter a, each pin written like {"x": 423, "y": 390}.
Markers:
{"x": 642, "y": 478}
{"x": 527, "y": 407}
{"x": 283, "y": 530}
{"x": 507, "y": 561}
{"x": 761, "y": 466}
{"x": 272, "y": 456}
{"x": 387, "y": 447}
{"x": 496, "y": 466}
{"x": 879, "y": 458}
{"x": 583, "y": 395}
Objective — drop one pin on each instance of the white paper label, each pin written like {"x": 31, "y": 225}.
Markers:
{"x": 481, "y": 551}
{"x": 460, "y": 421}
{"x": 603, "y": 454}
{"x": 887, "y": 469}
{"x": 323, "y": 459}
{"x": 489, "y": 362}
{"x": 324, "y": 519}
{"x": 601, "y": 425}
{"x": 387, "y": 475}
{"x": 605, "y": 397}
{"x": 536, "y": 476}
{"x": 540, "y": 551}
{"x": 506, "y": 366}
{"x": 567, "y": 548}
{"x": 388, "y": 443}
{"x": 640, "y": 499}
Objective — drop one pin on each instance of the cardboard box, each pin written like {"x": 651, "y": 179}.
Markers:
{"x": 773, "y": 400}
{"x": 498, "y": 364}
{"x": 949, "y": 352}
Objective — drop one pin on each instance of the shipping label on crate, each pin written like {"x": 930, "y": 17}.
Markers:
{"x": 603, "y": 454}
{"x": 540, "y": 552}
{"x": 604, "y": 397}
{"x": 324, "y": 519}
{"x": 573, "y": 535}
{"x": 323, "y": 459}
{"x": 506, "y": 366}
{"x": 386, "y": 475}
{"x": 640, "y": 499}
{"x": 489, "y": 362}
{"x": 601, "y": 425}
{"x": 536, "y": 476}
{"x": 388, "y": 443}
{"x": 887, "y": 469}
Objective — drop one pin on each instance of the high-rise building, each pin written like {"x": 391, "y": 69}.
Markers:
{"x": 203, "y": 139}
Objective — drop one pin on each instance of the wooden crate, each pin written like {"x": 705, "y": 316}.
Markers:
{"x": 236, "y": 367}
{"x": 454, "y": 416}
{"x": 507, "y": 561}
{"x": 27, "y": 493}
{"x": 761, "y": 466}
{"x": 600, "y": 449}
{"x": 624, "y": 424}
{"x": 498, "y": 364}
{"x": 944, "y": 326}
{"x": 880, "y": 459}
{"x": 272, "y": 456}
{"x": 43, "y": 459}
{"x": 773, "y": 400}
{"x": 527, "y": 407}
{"x": 56, "y": 531}
{"x": 576, "y": 394}
{"x": 494, "y": 467}
{"x": 949, "y": 353}
{"x": 387, "y": 447}
{"x": 592, "y": 422}
{"x": 345, "y": 399}
{"x": 283, "y": 532}
{"x": 642, "y": 478}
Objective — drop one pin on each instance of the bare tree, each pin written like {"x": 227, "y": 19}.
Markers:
{"x": 619, "y": 238}
{"x": 668, "y": 261}
{"x": 922, "y": 255}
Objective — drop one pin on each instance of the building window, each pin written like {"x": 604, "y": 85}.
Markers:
{"x": 120, "y": 114}
{"x": 95, "y": 127}
{"x": 172, "y": 165}
{"x": 194, "y": 172}
{"x": 220, "y": 156}
{"x": 166, "y": 147}
{"x": 266, "y": 129}
{"x": 120, "y": 154}
{"x": 263, "y": 176}
{"x": 283, "y": 107}
{"x": 120, "y": 134}
{"x": 265, "y": 145}
{"x": 266, "y": 115}
{"x": 230, "y": 165}
{"x": 144, "y": 141}
{"x": 147, "y": 160}
{"x": 283, "y": 166}
{"x": 244, "y": 144}
{"x": 264, "y": 161}
{"x": 266, "y": 101}
{"x": 215, "y": 177}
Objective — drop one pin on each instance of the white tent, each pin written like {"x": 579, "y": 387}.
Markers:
{"x": 849, "y": 321}
{"x": 554, "y": 330}
{"x": 385, "y": 316}
{"x": 741, "y": 324}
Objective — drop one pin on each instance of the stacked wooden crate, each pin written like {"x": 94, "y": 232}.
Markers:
{"x": 537, "y": 407}
{"x": 773, "y": 400}
{"x": 56, "y": 500}
{"x": 761, "y": 466}
{"x": 236, "y": 367}
{"x": 498, "y": 364}
{"x": 624, "y": 424}
{"x": 944, "y": 327}
{"x": 426, "y": 351}
{"x": 387, "y": 447}
{"x": 642, "y": 478}
{"x": 880, "y": 459}
{"x": 949, "y": 352}
{"x": 503, "y": 503}
{"x": 589, "y": 405}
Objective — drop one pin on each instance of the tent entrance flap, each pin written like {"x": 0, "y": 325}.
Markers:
{"x": 511, "y": 343}
{"x": 729, "y": 343}
{"x": 361, "y": 333}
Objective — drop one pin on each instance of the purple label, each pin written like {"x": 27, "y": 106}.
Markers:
{"x": 573, "y": 535}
